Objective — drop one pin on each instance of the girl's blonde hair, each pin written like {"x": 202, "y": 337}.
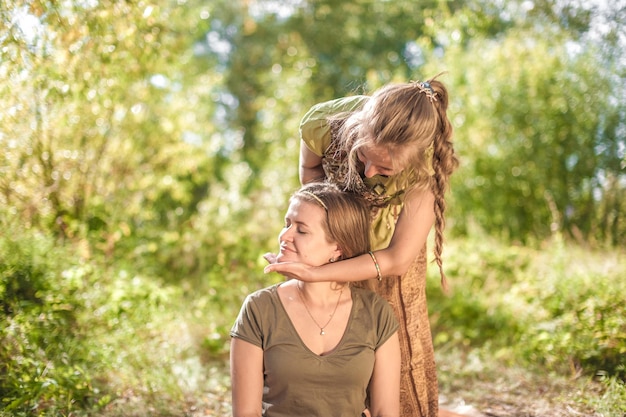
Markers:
{"x": 410, "y": 120}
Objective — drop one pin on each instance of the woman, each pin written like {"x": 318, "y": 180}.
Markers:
{"x": 393, "y": 148}
{"x": 317, "y": 349}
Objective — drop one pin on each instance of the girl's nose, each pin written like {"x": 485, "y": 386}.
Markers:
{"x": 369, "y": 170}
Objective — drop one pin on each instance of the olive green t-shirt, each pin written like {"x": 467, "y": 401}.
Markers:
{"x": 298, "y": 382}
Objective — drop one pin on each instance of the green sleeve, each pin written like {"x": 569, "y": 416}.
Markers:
{"x": 387, "y": 323}
{"x": 314, "y": 127}
{"x": 248, "y": 325}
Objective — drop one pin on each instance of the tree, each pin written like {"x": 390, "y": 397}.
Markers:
{"x": 538, "y": 138}
{"x": 94, "y": 136}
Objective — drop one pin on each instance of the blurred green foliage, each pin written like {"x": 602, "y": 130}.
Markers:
{"x": 86, "y": 336}
{"x": 147, "y": 151}
{"x": 41, "y": 363}
{"x": 558, "y": 307}
{"x": 546, "y": 158}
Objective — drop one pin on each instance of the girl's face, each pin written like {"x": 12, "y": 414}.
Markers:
{"x": 303, "y": 238}
{"x": 376, "y": 161}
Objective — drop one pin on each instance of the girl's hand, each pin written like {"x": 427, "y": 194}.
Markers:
{"x": 291, "y": 270}
{"x": 270, "y": 257}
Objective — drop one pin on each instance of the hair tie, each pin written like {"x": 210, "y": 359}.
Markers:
{"x": 426, "y": 88}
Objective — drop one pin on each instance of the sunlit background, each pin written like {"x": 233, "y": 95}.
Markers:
{"x": 147, "y": 151}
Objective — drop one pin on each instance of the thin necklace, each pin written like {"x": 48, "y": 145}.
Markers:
{"x": 322, "y": 332}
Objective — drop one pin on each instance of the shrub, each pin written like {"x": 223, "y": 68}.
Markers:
{"x": 559, "y": 307}
{"x": 42, "y": 365}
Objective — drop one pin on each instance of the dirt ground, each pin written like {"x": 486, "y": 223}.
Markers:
{"x": 523, "y": 398}
{"x": 501, "y": 393}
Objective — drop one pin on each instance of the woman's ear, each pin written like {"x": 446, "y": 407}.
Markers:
{"x": 337, "y": 254}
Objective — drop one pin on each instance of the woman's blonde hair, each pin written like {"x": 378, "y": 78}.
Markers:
{"x": 347, "y": 220}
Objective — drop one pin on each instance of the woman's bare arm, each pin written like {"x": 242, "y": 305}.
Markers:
{"x": 246, "y": 373}
{"x": 384, "y": 387}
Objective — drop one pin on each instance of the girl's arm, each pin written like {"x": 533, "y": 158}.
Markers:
{"x": 310, "y": 165}
{"x": 384, "y": 387}
{"x": 411, "y": 232}
{"x": 246, "y": 374}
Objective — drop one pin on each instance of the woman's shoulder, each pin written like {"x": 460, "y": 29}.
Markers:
{"x": 266, "y": 293}
{"x": 375, "y": 313}
{"x": 369, "y": 298}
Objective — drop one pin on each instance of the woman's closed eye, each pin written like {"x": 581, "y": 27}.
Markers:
{"x": 299, "y": 228}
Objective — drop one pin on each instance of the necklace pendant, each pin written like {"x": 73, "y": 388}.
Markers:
{"x": 322, "y": 332}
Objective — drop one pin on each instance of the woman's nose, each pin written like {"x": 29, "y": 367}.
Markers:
{"x": 285, "y": 234}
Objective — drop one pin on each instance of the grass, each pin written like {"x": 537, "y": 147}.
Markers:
{"x": 522, "y": 332}
{"x": 532, "y": 331}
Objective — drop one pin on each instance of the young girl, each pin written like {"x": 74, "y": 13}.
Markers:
{"x": 393, "y": 148}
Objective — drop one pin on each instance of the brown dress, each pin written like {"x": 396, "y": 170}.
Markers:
{"x": 406, "y": 294}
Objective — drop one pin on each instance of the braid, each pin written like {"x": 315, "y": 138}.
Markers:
{"x": 444, "y": 164}
{"x": 438, "y": 189}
